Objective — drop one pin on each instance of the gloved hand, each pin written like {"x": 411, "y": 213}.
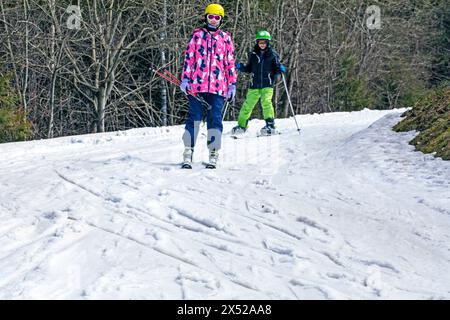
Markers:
{"x": 282, "y": 68}
{"x": 185, "y": 86}
{"x": 231, "y": 92}
{"x": 239, "y": 66}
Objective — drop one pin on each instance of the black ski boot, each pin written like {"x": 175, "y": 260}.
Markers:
{"x": 269, "y": 129}
{"x": 238, "y": 132}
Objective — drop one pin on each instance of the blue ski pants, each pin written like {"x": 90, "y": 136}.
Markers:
{"x": 213, "y": 119}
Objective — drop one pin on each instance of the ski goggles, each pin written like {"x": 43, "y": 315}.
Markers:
{"x": 214, "y": 16}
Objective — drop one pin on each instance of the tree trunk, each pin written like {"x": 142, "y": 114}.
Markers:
{"x": 163, "y": 63}
{"x": 27, "y": 61}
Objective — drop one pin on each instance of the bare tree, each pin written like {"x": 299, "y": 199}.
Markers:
{"x": 95, "y": 78}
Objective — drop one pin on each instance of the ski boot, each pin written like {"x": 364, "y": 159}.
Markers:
{"x": 187, "y": 158}
{"x": 269, "y": 129}
{"x": 238, "y": 131}
{"x": 213, "y": 157}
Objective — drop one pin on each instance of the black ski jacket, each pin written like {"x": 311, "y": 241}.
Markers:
{"x": 264, "y": 66}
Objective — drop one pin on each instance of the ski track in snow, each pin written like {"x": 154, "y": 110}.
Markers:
{"x": 346, "y": 210}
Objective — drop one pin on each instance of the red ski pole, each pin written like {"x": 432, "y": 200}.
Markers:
{"x": 174, "y": 80}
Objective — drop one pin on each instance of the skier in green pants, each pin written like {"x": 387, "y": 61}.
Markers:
{"x": 264, "y": 64}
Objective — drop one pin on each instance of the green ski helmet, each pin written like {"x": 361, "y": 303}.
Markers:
{"x": 263, "y": 35}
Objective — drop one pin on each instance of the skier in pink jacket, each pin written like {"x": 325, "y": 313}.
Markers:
{"x": 209, "y": 72}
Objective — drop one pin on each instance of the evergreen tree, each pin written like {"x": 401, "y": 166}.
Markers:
{"x": 440, "y": 68}
{"x": 13, "y": 123}
{"x": 351, "y": 92}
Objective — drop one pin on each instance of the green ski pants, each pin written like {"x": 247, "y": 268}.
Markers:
{"x": 253, "y": 95}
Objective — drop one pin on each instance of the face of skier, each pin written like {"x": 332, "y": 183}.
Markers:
{"x": 262, "y": 44}
{"x": 214, "y": 19}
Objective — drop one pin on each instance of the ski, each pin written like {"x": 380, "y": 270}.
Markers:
{"x": 238, "y": 137}
{"x": 206, "y": 164}
{"x": 186, "y": 165}
{"x": 268, "y": 135}
{"x": 209, "y": 165}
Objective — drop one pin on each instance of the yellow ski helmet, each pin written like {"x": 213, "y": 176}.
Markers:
{"x": 215, "y": 8}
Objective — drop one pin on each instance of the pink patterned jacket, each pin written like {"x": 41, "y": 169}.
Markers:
{"x": 209, "y": 62}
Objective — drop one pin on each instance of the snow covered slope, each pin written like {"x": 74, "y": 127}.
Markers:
{"x": 345, "y": 210}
